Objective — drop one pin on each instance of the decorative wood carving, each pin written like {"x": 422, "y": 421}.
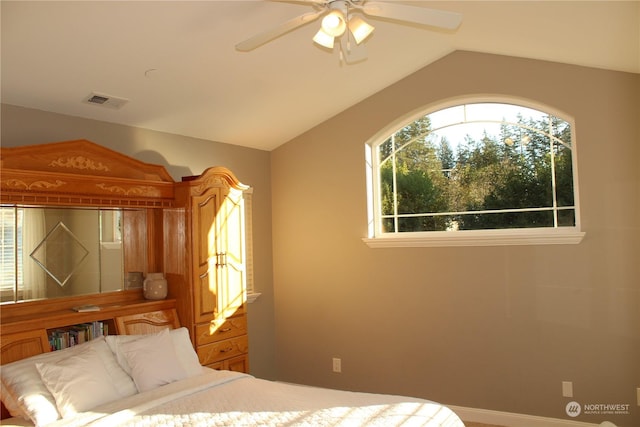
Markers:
{"x": 79, "y": 162}
{"x": 147, "y": 323}
{"x": 139, "y": 190}
{"x": 217, "y": 176}
{"x": 36, "y": 185}
{"x": 75, "y": 173}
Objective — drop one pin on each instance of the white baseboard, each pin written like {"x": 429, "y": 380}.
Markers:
{"x": 510, "y": 419}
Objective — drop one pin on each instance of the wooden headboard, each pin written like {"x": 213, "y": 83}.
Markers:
{"x": 147, "y": 323}
{"x": 23, "y": 344}
{"x": 26, "y": 326}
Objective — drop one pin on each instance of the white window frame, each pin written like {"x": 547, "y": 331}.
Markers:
{"x": 502, "y": 237}
{"x": 14, "y": 291}
{"x": 251, "y": 293}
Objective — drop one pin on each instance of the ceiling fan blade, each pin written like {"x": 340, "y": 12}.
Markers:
{"x": 416, "y": 15}
{"x": 266, "y": 36}
{"x": 351, "y": 51}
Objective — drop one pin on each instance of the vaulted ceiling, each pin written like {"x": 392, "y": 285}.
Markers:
{"x": 176, "y": 65}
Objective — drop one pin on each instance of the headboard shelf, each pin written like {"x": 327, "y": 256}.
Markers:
{"x": 26, "y": 335}
{"x": 21, "y": 317}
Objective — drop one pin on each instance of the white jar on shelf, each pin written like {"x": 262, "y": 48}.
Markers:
{"x": 155, "y": 286}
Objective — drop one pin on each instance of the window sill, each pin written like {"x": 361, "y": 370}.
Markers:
{"x": 252, "y": 296}
{"x": 521, "y": 237}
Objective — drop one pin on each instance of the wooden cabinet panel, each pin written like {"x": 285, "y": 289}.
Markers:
{"x": 230, "y": 243}
{"x": 219, "y": 330}
{"x": 205, "y": 253}
{"x": 237, "y": 364}
{"x": 147, "y": 323}
{"x": 23, "y": 344}
{"x": 135, "y": 231}
{"x": 221, "y": 350}
{"x": 205, "y": 210}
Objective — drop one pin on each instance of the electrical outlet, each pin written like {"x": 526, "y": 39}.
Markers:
{"x": 337, "y": 365}
{"x": 567, "y": 389}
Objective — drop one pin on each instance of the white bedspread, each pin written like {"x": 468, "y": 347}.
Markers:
{"x": 223, "y": 398}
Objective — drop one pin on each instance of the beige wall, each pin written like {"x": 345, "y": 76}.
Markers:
{"x": 181, "y": 156}
{"x": 484, "y": 327}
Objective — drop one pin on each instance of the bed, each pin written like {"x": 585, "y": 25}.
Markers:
{"x": 156, "y": 380}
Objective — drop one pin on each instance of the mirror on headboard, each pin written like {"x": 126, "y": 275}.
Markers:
{"x": 94, "y": 218}
{"x": 52, "y": 252}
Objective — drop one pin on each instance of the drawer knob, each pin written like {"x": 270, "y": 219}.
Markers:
{"x": 226, "y": 350}
{"x": 224, "y": 330}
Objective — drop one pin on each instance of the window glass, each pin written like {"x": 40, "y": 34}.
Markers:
{"x": 475, "y": 166}
{"x": 10, "y": 253}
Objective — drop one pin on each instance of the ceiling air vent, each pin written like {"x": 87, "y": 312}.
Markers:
{"x": 103, "y": 100}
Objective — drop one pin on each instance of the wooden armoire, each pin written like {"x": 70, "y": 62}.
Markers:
{"x": 192, "y": 230}
{"x": 205, "y": 254}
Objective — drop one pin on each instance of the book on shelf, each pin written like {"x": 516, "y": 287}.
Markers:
{"x": 69, "y": 336}
{"x": 86, "y": 308}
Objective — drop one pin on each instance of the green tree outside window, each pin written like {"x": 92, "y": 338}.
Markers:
{"x": 489, "y": 166}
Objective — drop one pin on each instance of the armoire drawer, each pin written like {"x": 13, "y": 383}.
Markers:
{"x": 237, "y": 364}
{"x": 207, "y": 333}
{"x": 221, "y": 350}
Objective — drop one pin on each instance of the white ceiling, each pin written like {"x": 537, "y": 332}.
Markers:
{"x": 54, "y": 54}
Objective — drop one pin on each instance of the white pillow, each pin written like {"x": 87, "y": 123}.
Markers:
{"x": 181, "y": 344}
{"x": 153, "y": 361}
{"x": 25, "y": 395}
{"x": 78, "y": 383}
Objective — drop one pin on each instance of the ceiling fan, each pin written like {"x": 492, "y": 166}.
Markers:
{"x": 342, "y": 19}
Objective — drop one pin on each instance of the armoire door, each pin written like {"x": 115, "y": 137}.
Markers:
{"x": 230, "y": 244}
{"x": 205, "y": 208}
{"x": 218, "y": 219}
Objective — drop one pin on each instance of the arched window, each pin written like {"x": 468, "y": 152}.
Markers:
{"x": 474, "y": 173}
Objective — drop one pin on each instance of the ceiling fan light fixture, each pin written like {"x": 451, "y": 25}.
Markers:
{"x": 334, "y": 23}
{"x": 346, "y": 16}
{"x": 324, "y": 39}
{"x": 360, "y": 28}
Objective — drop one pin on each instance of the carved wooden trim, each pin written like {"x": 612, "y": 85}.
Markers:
{"x": 36, "y": 185}
{"x": 139, "y": 190}
{"x": 81, "y": 173}
{"x": 212, "y": 181}
{"x": 145, "y": 323}
{"x": 79, "y": 162}
{"x": 217, "y": 176}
